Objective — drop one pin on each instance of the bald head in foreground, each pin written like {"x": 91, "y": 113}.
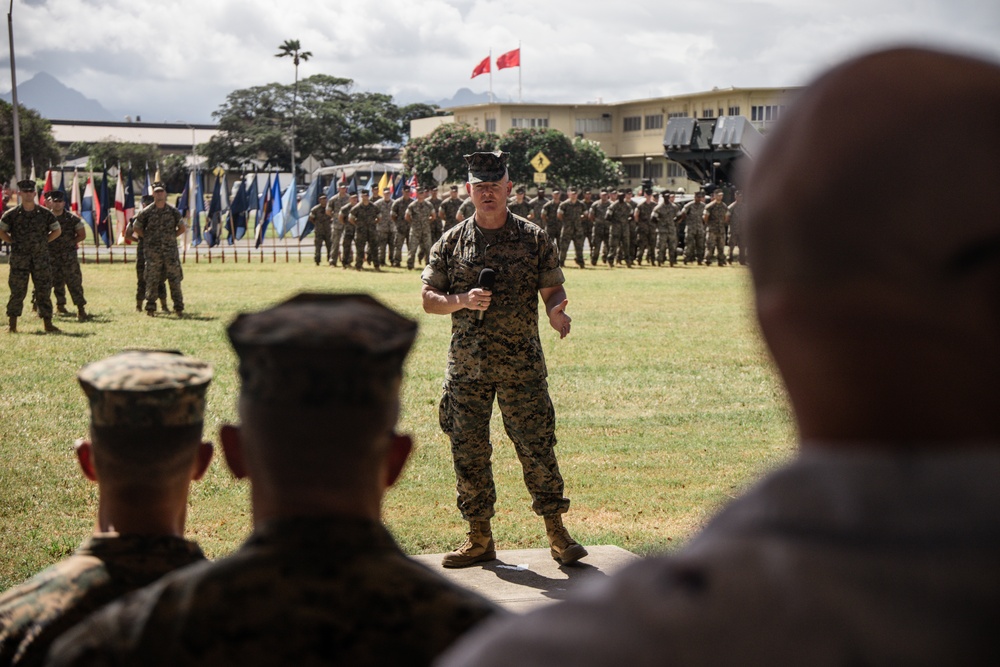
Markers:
{"x": 320, "y": 580}
{"x": 879, "y": 543}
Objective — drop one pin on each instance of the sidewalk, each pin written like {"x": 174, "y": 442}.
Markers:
{"x": 523, "y": 579}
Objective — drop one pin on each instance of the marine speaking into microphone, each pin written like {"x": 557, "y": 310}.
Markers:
{"x": 487, "y": 279}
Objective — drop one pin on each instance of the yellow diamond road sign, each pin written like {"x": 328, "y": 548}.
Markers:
{"x": 540, "y": 162}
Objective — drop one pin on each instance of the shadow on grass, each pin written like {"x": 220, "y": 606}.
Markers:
{"x": 61, "y": 332}
{"x": 556, "y": 589}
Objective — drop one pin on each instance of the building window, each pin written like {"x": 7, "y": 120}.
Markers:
{"x": 765, "y": 113}
{"x": 677, "y": 114}
{"x": 708, "y": 113}
{"x": 633, "y": 170}
{"x": 674, "y": 170}
{"x": 529, "y": 122}
{"x": 491, "y": 125}
{"x": 734, "y": 111}
{"x": 593, "y": 125}
{"x": 654, "y": 122}
{"x": 654, "y": 170}
{"x": 633, "y": 123}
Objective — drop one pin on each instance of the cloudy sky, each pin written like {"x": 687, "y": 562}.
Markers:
{"x": 178, "y": 59}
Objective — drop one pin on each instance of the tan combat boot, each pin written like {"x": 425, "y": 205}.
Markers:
{"x": 478, "y": 547}
{"x": 49, "y": 327}
{"x": 12, "y": 325}
{"x": 564, "y": 549}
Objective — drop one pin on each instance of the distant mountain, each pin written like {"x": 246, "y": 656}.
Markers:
{"x": 53, "y": 100}
{"x": 464, "y": 97}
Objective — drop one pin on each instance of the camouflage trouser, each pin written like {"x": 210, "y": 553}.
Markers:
{"x": 365, "y": 244}
{"x": 716, "y": 245}
{"x": 625, "y": 245}
{"x": 419, "y": 246}
{"x": 528, "y": 418}
{"x": 336, "y": 236}
{"x": 38, "y": 267}
{"x": 645, "y": 240}
{"x": 384, "y": 241}
{"x": 66, "y": 274}
{"x": 599, "y": 239}
{"x": 437, "y": 228}
{"x": 614, "y": 242}
{"x": 576, "y": 235}
{"x": 666, "y": 246}
{"x": 399, "y": 236}
{"x": 694, "y": 244}
{"x": 319, "y": 240}
{"x": 554, "y": 230}
{"x": 348, "y": 248}
{"x": 140, "y": 277}
{"x": 159, "y": 267}
{"x": 736, "y": 240}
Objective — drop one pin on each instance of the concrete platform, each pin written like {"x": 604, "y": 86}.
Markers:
{"x": 523, "y": 579}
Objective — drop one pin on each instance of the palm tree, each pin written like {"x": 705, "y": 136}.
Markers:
{"x": 291, "y": 47}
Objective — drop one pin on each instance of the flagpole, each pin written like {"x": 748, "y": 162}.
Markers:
{"x": 491, "y": 74}
{"x": 13, "y": 94}
{"x": 519, "y": 100}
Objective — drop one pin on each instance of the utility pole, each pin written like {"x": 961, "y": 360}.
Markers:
{"x": 13, "y": 94}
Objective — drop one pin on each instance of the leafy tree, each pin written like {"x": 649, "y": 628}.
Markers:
{"x": 113, "y": 153}
{"x": 592, "y": 168}
{"x": 174, "y": 171}
{"x": 445, "y": 146}
{"x": 333, "y": 122}
{"x": 524, "y": 143}
{"x": 37, "y": 142}
{"x": 414, "y": 111}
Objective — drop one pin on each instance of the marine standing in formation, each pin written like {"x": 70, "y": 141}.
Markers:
{"x": 466, "y": 210}
{"x": 400, "y": 227}
{"x": 664, "y": 217}
{"x": 436, "y": 227}
{"x": 715, "y": 223}
{"x": 419, "y": 216}
{"x": 66, "y": 272}
{"x": 599, "y": 227}
{"x": 322, "y": 222}
{"x": 737, "y": 235}
{"x": 29, "y": 228}
{"x": 571, "y": 215}
{"x": 496, "y": 353}
{"x": 619, "y": 231}
{"x": 159, "y": 225}
{"x": 144, "y": 449}
{"x": 335, "y": 206}
{"x": 364, "y": 216}
{"x": 140, "y": 264}
{"x": 519, "y": 206}
{"x": 692, "y": 216}
{"x": 645, "y": 240}
{"x": 344, "y": 215}
{"x": 448, "y": 211}
{"x": 550, "y": 217}
{"x": 383, "y": 229}
{"x": 537, "y": 202}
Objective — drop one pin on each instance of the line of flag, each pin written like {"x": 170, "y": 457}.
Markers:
{"x": 504, "y": 61}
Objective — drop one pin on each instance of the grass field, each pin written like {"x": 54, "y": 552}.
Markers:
{"x": 666, "y": 402}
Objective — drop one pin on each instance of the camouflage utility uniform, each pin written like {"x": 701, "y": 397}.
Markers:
{"x": 502, "y": 358}
{"x": 550, "y": 221}
{"x": 573, "y": 215}
{"x": 344, "y": 215}
{"x": 737, "y": 238}
{"x": 104, "y": 568}
{"x": 337, "y": 590}
{"x": 694, "y": 231}
{"x": 645, "y": 237}
{"x": 664, "y": 217}
{"x": 716, "y": 212}
{"x": 29, "y": 256}
{"x": 421, "y": 215}
{"x": 159, "y": 227}
{"x": 522, "y": 210}
{"x": 322, "y": 223}
{"x": 536, "y": 204}
{"x": 365, "y": 219}
{"x": 140, "y": 270}
{"x": 400, "y": 228}
{"x": 334, "y": 206}
{"x": 467, "y": 209}
{"x": 599, "y": 233}
{"x": 447, "y": 211}
{"x": 66, "y": 272}
{"x": 383, "y": 231}
{"x": 619, "y": 233}
{"x": 436, "y": 228}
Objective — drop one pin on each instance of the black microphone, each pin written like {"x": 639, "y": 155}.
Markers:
{"x": 487, "y": 279}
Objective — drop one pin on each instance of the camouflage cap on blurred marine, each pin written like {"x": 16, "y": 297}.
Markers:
{"x": 144, "y": 388}
{"x": 319, "y": 350}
